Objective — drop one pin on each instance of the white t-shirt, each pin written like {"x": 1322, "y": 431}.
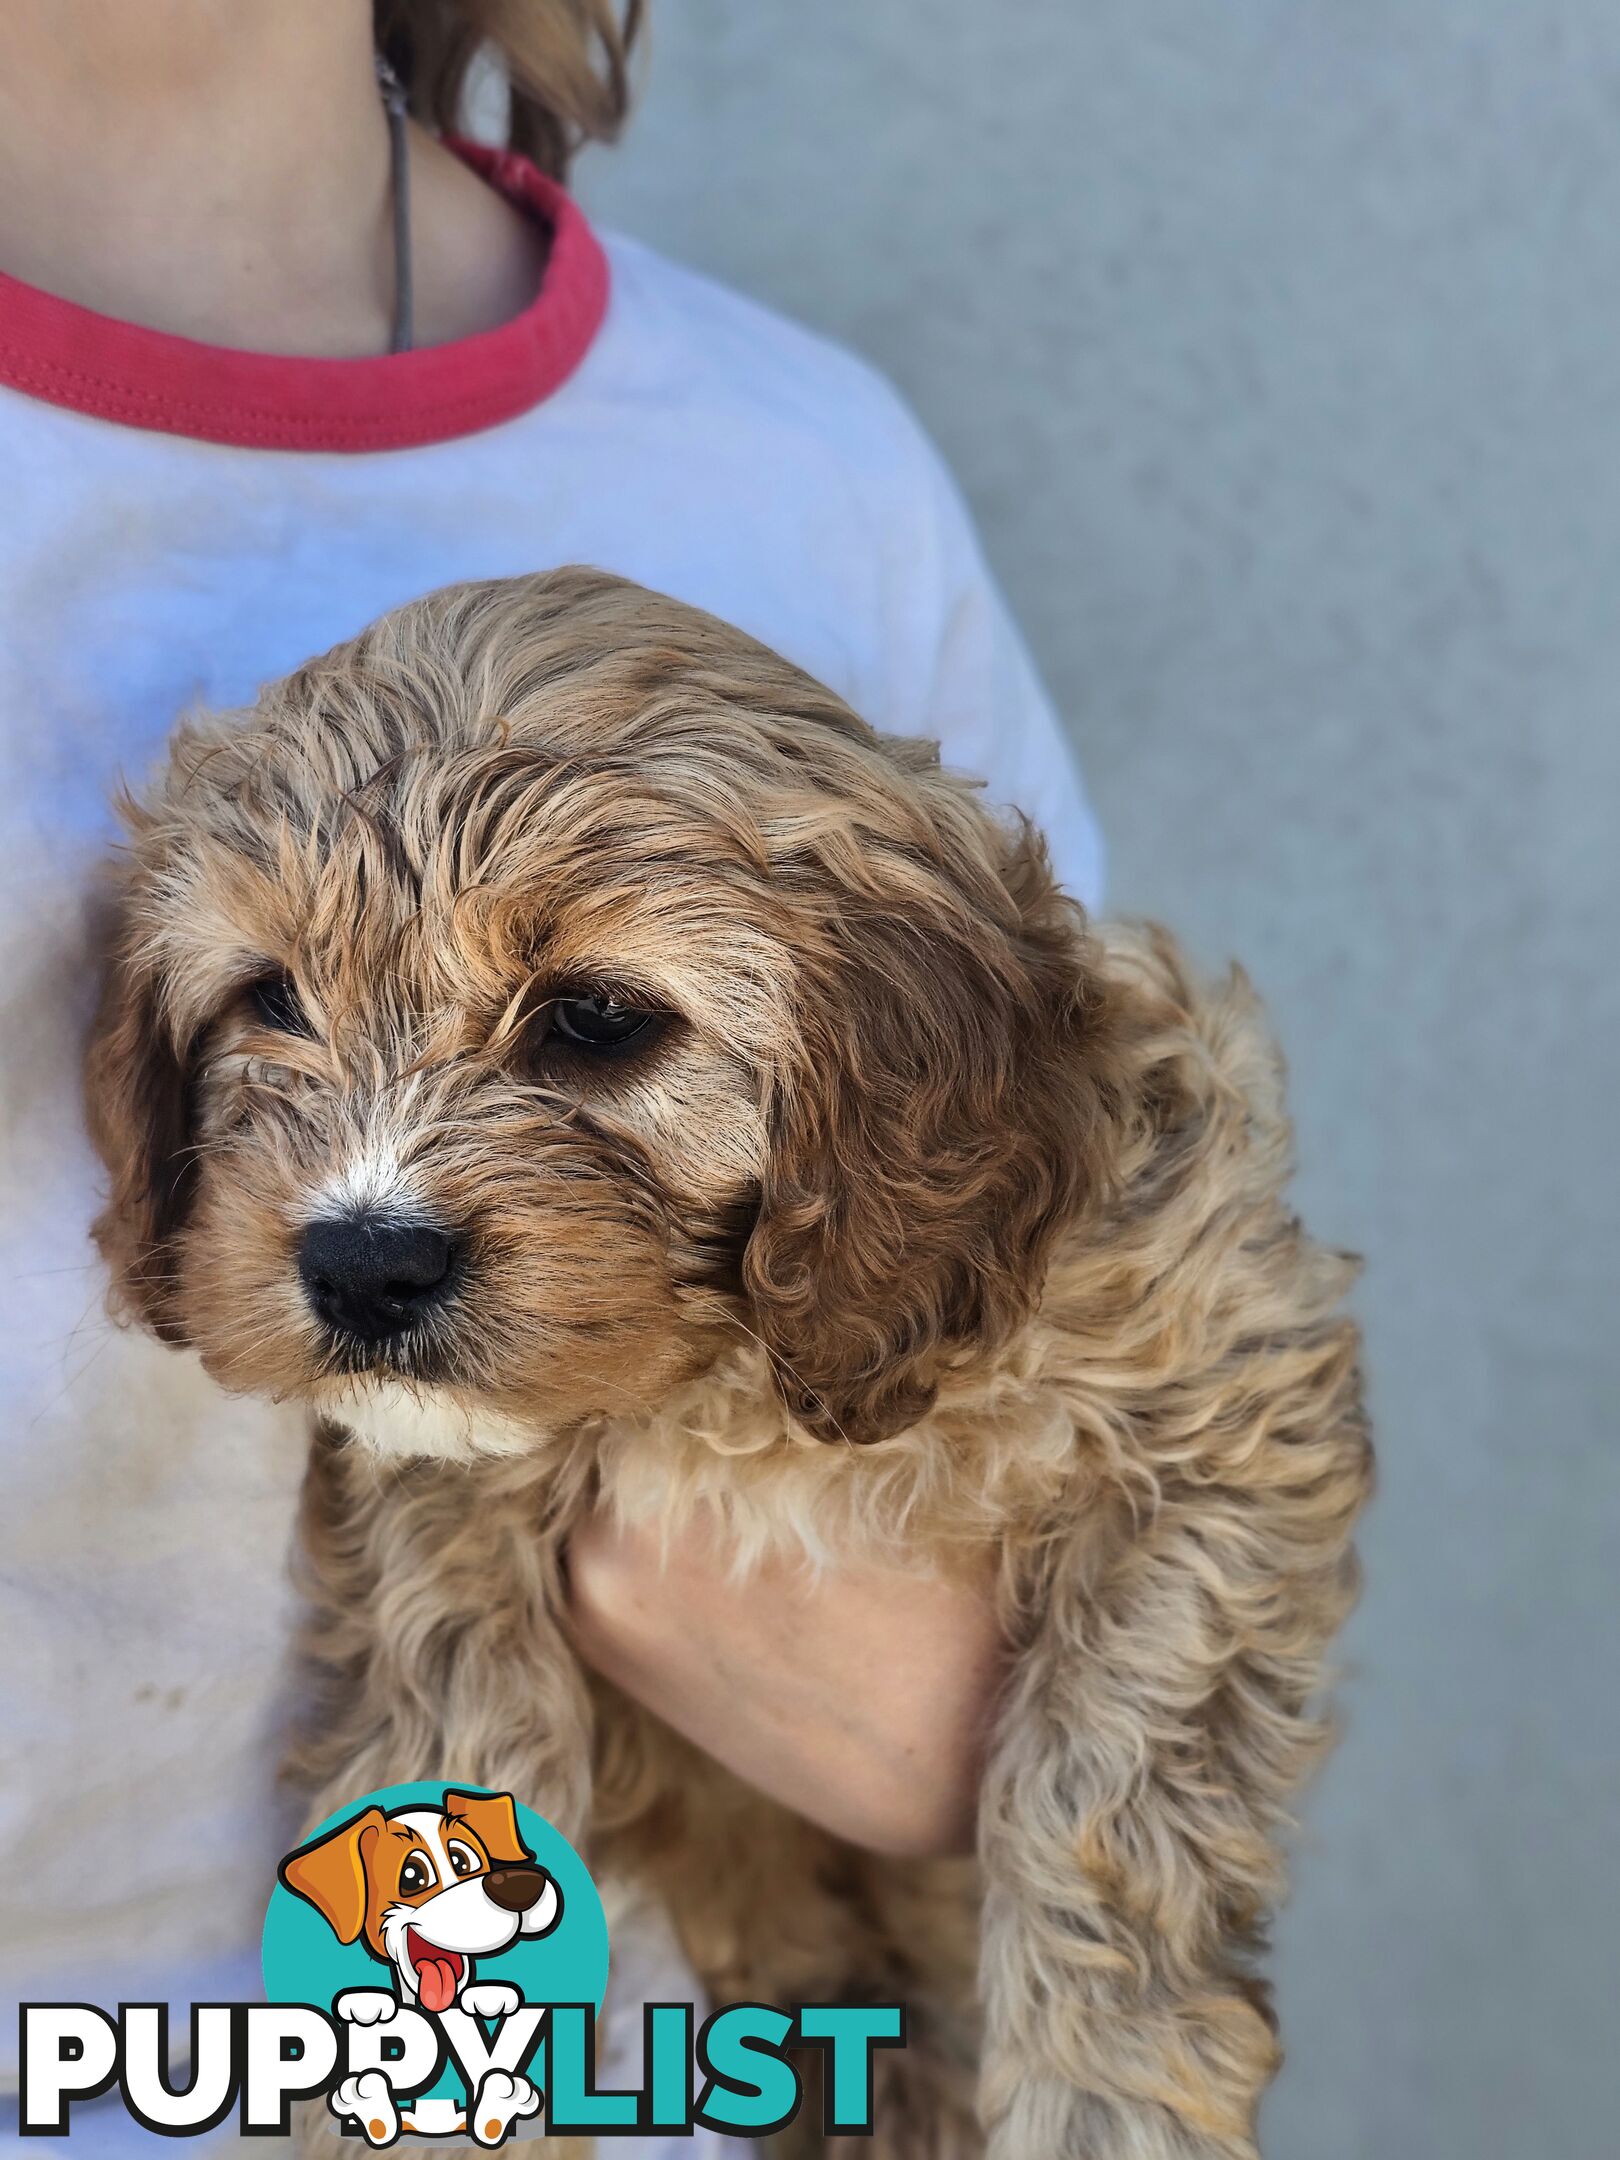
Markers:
{"x": 178, "y": 525}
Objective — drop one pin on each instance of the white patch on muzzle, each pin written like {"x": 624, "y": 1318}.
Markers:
{"x": 392, "y": 1418}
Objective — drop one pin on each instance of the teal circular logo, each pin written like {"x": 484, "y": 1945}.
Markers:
{"x": 444, "y": 1896}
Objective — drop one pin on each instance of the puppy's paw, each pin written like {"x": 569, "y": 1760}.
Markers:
{"x": 502, "y": 2100}
{"x": 365, "y": 2006}
{"x": 368, "y": 2097}
{"x": 491, "y": 1998}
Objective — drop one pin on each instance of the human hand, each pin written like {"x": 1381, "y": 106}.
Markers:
{"x": 859, "y": 1699}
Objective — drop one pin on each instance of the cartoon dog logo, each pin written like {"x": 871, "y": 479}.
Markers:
{"x": 428, "y": 1890}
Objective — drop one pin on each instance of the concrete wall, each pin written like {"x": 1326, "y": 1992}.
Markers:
{"x": 1277, "y": 343}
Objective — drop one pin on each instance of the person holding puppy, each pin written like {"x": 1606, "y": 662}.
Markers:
{"x": 279, "y": 350}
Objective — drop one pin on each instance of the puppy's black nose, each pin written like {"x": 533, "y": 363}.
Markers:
{"x": 374, "y": 1279}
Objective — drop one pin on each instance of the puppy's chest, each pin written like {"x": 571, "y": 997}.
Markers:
{"x": 725, "y": 1458}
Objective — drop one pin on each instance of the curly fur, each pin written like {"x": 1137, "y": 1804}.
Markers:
{"x": 939, "y": 1224}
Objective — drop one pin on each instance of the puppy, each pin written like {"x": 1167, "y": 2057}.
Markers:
{"x": 563, "y": 1045}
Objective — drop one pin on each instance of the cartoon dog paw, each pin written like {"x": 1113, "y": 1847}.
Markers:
{"x": 502, "y": 2099}
{"x": 365, "y": 2006}
{"x": 368, "y": 2098}
{"x": 491, "y": 1999}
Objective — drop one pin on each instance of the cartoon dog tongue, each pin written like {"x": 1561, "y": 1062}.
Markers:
{"x": 436, "y": 1982}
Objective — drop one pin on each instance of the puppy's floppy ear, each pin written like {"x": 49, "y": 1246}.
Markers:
{"x": 330, "y": 1873}
{"x": 955, "y": 1102}
{"x": 492, "y": 1818}
{"x": 136, "y": 1088}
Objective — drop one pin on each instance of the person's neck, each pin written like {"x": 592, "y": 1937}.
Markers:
{"x": 221, "y": 171}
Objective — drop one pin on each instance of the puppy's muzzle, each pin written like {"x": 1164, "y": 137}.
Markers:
{"x": 372, "y": 1279}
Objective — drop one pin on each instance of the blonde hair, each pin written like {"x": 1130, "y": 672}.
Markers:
{"x": 567, "y": 62}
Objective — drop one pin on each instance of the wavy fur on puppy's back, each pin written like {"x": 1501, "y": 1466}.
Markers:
{"x": 1166, "y": 1703}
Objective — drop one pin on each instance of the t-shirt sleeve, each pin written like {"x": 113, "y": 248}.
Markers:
{"x": 961, "y": 673}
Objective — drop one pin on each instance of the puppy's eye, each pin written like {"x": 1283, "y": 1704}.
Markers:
{"x": 463, "y": 1859}
{"x": 415, "y": 1875}
{"x": 275, "y": 1004}
{"x": 592, "y": 1021}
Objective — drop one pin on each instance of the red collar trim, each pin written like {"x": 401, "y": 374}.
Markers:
{"x": 69, "y": 355}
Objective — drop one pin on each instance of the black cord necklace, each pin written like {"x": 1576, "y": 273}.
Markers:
{"x": 393, "y": 96}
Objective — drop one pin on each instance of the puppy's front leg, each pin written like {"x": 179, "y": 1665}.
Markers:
{"x": 1160, "y": 1717}
{"x": 435, "y": 1641}
{"x": 434, "y": 1646}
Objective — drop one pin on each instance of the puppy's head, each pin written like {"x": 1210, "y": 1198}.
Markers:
{"x": 553, "y": 986}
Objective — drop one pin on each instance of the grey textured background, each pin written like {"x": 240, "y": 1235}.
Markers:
{"x": 1277, "y": 343}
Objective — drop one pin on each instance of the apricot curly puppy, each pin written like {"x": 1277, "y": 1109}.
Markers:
{"x": 559, "y": 1042}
